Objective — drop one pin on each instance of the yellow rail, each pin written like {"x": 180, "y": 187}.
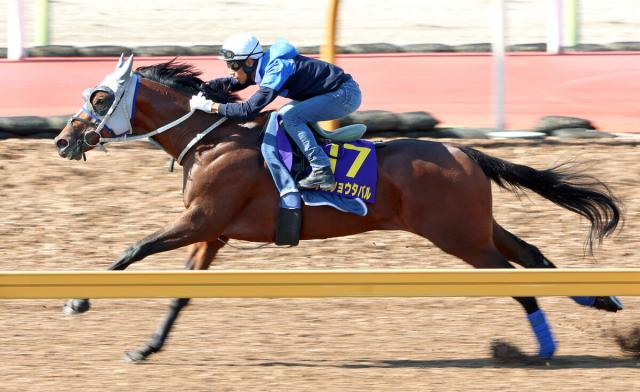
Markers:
{"x": 319, "y": 283}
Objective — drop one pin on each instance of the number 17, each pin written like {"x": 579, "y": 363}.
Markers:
{"x": 363, "y": 153}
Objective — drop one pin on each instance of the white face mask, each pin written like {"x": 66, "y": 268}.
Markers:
{"x": 122, "y": 85}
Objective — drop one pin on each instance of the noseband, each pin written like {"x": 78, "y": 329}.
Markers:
{"x": 94, "y": 124}
{"x": 97, "y": 124}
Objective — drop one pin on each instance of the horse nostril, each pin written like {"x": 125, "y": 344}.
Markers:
{"x": 61, "y": 143}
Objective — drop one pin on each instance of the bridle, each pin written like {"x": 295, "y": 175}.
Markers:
{"x": 82, "y": 141}
{"x": 97, "y": 124}
{"x": 99, "y": 118}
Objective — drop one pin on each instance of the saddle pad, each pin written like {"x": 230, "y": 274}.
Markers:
{"x": 354, "y": 165}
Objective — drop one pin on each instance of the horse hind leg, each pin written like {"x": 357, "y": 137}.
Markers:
{"x": 529, "y": 256}
{"x": 487, "y": 256}
{"x": 200, "y": 258}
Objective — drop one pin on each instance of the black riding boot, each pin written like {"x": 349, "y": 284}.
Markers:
{"x": 322, "y": 179}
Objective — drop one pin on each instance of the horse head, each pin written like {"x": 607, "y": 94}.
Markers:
{"x": 107, "y": 111}
{"x": 157, "y": 95}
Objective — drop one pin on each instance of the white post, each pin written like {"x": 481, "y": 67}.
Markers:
{"x": 554, "y": 27}
{"x": 498, "y": 22}
{"x": 14, "y": 30}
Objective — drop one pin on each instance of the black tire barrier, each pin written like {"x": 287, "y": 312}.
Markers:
{"x": 461, "y": 133}
{"x": 312, "y": 49}
{"x": 379, "y": 124}
{"x": 56, "y": 123}
{"x": 548, "y": 124}
{"x": 28, "y": 126}
{"x": 416, "y": 122}
{"x": 624, "y": 46}
{"x": 580, "y": 133}
{"x": 431, "y": 48}
{"x": 7, "y": 135}
{"x": 535, "y": 47}
{"x": 383, "y": 121}
{"x": 165, "y": 50}
{"x": 472, "y": 48}
{"x": 53, "y": 51}
{"x": 104, "y": 50}
{"x": 37, "y": 135}
{"x": 375, "y": 120}
{"x": 380, "y": 47}
{"x": 24, "y": 125}
{"x": 209, "y": 50}
{"x": 588, "y": 48}
{"x": 204, "y": 50}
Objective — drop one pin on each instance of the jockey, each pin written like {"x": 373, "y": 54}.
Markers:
{"x": 320, "y": 91}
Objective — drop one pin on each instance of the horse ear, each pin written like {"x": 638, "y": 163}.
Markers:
{"x": 125, "y": 71}
{"x": 86, "y": 94}
{"x": 129, "y": 65}
{"x": 120, "y": 61}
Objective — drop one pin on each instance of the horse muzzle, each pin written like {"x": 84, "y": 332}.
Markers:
{"x": 69, "y": 150}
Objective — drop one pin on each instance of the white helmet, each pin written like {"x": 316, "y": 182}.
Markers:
{"x": 240, "y": 46}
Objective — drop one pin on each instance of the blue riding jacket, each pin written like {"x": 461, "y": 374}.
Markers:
{"x": 282, "y": 71}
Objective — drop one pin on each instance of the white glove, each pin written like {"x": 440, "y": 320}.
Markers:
{"x": 200, "y": 102}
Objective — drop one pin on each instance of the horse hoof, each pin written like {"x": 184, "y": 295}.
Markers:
{"x": 134, "y": 356}
{"x": 76, "y": 306}
{"x": 139, "y": 355}
{"x": 609, "y": 304}
{"x": 547, "y": 353}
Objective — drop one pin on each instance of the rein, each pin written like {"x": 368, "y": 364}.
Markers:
{"x": 199, "y": 137}
{"x": 100, "y": 124}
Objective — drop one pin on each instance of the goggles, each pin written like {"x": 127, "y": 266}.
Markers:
{"x": 230, "y": 57}
{"x": 235, "y": 65}
{"x": 227, "y": 54}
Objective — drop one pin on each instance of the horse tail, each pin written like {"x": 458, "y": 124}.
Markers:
{"x": 575, "y": 191}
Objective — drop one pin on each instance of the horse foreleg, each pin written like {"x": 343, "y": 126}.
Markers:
{"x": 201, "y": 257}
{"x": 187, "y": 229}
{"x": 529, "y": 256}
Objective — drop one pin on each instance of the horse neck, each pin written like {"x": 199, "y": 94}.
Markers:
{"x": 158, "y": 105}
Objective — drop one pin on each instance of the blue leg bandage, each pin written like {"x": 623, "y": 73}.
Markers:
{"x": 585, "y": 301}
{"x": 543, "y": 334}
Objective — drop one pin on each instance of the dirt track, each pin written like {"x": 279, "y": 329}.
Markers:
{"x": 60, "y": 215}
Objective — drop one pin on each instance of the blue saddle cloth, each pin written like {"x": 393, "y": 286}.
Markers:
{"x": 277, "y": 152}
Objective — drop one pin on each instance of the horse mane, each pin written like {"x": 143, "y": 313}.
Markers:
{"x": 185, "y": 78}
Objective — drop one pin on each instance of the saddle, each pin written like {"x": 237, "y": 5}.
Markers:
{"x": 299, "y": 164}
{"x": 287, "y": 164}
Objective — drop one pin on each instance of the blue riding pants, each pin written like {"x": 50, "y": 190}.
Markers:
{"x": 345, "y": 100}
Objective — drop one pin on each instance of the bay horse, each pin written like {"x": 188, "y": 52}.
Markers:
{"x": 438, "y": 191}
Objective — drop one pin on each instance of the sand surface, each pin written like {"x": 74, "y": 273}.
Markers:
{"x": 61, "y": 215}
